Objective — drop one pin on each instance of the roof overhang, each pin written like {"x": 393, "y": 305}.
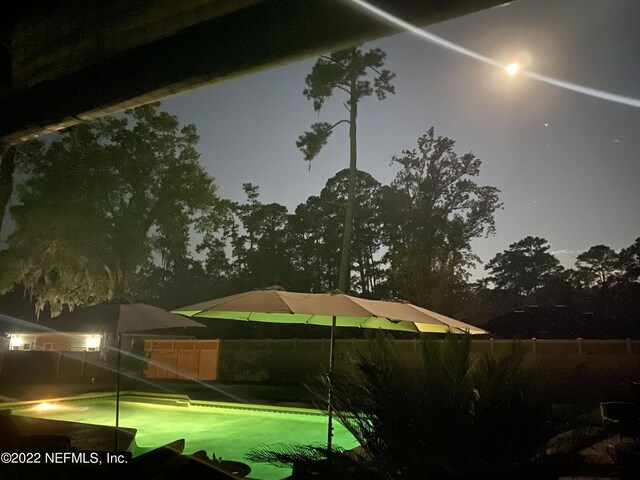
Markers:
{"x": 71, "y": 61}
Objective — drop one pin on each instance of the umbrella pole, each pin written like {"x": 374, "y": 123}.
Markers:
{"x": 118, "y": 391}
{"x": 329, "y": 406}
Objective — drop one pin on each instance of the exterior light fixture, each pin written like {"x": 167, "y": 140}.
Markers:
{"x": 92, "y": 343}
{"x": 15, "y": 342}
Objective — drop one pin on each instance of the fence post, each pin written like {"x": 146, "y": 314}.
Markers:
{"x": 492, "y": 349}
{"x": 84, "y": 360}
{"x": 580, "y": 346}
{"x": 629, "y": 350}
{"x": 58, "y": 364}
{"x": 534, "y": 346}
{"x": 245, "y": 370}
{"x": 197, "y": 369}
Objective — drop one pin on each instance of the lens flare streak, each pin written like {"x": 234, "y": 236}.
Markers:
{"x": 612, "y": 97}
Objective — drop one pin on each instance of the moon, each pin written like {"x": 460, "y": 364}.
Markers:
{"x": 512, "y": 69}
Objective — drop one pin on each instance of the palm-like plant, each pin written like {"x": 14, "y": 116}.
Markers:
{"x": 452, "y": 418}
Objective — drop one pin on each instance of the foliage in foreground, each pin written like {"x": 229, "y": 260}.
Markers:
{"x": 450, "y": 418}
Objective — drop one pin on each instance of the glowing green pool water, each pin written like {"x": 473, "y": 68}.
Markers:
{"x": 229, "y": 432}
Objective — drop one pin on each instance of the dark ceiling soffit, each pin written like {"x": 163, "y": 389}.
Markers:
{"x": 269, "y": 33}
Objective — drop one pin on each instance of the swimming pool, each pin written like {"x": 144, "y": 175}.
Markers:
{"x": 226, "y": 429}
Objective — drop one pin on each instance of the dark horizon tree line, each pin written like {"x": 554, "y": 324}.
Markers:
{"x": 108, "y": 211}
{"x": 602, "y": 281}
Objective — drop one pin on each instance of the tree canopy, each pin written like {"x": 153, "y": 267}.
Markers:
{"x": 103, "y": 200}
{"x": 524, "y": 267}
{"x": 432, "y": 211}
{"x": 352, "y": 72}
{"x": 597, "y": 266}
{"x": 629, "y": 262}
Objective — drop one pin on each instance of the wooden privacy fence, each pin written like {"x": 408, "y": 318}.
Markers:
{"x": 182, "y": 359}
{"x": 569, "y": 367}
{"x": 573, "y": 368}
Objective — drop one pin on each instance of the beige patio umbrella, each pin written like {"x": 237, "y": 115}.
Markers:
{"x": 119, "y": 318}
{"x": 328, "y": 309}
{"x": 279, "y": 306}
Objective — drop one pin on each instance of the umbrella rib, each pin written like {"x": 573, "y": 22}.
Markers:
{"x": 356, "y": 300}
{"x": 283, "y": 300}
{"x": 229, "y": 299}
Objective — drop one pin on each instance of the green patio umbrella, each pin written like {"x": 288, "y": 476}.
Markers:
{"x": 328, "y": 309}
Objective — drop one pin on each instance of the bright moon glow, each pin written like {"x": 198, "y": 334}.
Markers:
{"x": 512, "y": 69}
{"x": 612, "y": 97}
{"x": 44, "y": 406}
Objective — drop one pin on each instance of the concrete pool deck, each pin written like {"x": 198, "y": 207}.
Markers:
{"x": 81, "y": 435}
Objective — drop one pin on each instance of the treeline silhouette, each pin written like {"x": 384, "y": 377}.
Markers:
{"x": 121, "y": 209}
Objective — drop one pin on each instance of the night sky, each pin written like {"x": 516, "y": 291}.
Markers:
{"x": 567, "y": 164}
